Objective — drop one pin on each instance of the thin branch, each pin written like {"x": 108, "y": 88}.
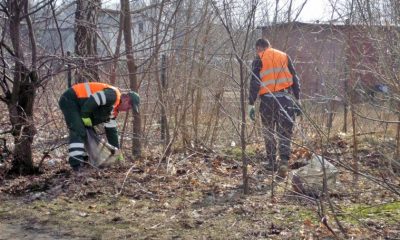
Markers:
{"x": 8, "y": 48}
{"x": 3, "y": 99}
{"x": 58, "y": 28}
{"x": 112, "y": 11}
{"x": 27, "y": 14}
{"x": 32, "y": 38}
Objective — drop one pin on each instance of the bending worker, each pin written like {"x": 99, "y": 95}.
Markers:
{"x": 274, "y": 79}
{"x": 89, "y": 104}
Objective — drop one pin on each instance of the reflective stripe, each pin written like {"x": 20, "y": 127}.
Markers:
{"x": 97, "y": 99}
{"x": 103, "y": 97}
{"x": 277, "y": 94}
{"x": 276, "y": 81}
{"x": 77, "y": 145}
{"x": 87, "y": 87}
{"x": 76, "y": 153}
{"x": 111, "y": 124}
{"x": 274, "y": 70}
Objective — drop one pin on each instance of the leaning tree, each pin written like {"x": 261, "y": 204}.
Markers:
{"x": 20, "y": 79}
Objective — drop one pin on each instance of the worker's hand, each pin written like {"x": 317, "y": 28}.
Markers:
{"x": 297, "y": 111}
{"x": 252, "y": 112}
{"x": 87, "y": 122}
{"x": 297, "y": 108}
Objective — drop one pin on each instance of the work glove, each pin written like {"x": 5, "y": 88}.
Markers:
{"x": 120, "y": 158}
{"x": 297, "y": 111}
{"x": 87, "y": 122}
{"x": 297, "y": 108}
{"x": 252, "y": 112}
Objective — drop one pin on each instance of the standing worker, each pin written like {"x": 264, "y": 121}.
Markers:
{"x": 89, "y": 104}
{"x": 274, "y": 79}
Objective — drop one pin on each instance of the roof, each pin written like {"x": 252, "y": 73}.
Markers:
{"x": 324, "y": 25}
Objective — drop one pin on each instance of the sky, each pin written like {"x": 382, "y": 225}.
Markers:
{"x": 315, "y": 10}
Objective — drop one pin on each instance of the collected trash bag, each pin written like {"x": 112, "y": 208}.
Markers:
{"x": 309, "y": 179}
{"x": 100, "y": 152}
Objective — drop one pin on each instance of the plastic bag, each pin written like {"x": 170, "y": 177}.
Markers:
{"x": 309, "y": 179}
{"x": 100, "y": 152}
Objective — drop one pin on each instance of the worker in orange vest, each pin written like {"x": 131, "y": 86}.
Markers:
{"x": 275, "y": 81}
{"x": 89, "y": 104}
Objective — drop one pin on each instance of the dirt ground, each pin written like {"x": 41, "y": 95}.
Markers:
{"x": 26, "y": 232}
{"x": 191, "y": 195}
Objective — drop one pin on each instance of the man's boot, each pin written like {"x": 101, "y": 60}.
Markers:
{"x": 283, "y": 171}
{"x": 76, "y": 163}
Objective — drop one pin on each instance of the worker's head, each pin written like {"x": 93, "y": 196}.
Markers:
{"x": 262, "y": 44}
{"x": 129, "y": 100}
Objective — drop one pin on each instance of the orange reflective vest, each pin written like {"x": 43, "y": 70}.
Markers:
{"x": 275, "y": 75}
{"x": 85, "y": 90}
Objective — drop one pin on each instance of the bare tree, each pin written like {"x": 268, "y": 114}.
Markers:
{"x": 24, "y": 78}
{"x": 132, "y": 71}
{"x": 86, "y": 18}
{"x": 240, "y": 48}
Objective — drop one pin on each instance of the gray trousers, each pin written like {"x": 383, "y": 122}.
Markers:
{"x": 277, "y": 117}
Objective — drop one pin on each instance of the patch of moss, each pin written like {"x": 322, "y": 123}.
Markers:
{"x": 387, "y": 212}
{"x": 236, "y": 152}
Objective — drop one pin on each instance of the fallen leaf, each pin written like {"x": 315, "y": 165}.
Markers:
{"x": 308, "y": 223}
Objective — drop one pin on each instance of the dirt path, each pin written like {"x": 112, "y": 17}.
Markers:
{"x": 21, "y": 232}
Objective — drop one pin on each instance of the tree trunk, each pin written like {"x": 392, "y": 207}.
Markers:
{"x": 218, "y": 99}
{"x": 243, "y": 128}
{"x": 393, "y": 164}
{"x": 21, "y": 117}
{"x": 86, "y": 18}
{"x": 20, "y": 104}
{"x": 132, "y": 70}
{"x": 198, "y": 89}
{"x": 164, "y": 120}
{"x": 355, "y": 143}
{"x": 160, "y": 79}
{"x": 187, "y": 90}
{"x": 114, "y": 65}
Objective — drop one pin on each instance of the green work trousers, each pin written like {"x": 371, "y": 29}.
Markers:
{"x": 77, "y": 132}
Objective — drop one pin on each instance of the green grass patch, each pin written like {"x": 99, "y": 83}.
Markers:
{"x": 387, "y": 212}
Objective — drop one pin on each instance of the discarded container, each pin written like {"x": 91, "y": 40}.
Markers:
{"x": 308, "y": 180}
{"x": 100, "y": 152}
